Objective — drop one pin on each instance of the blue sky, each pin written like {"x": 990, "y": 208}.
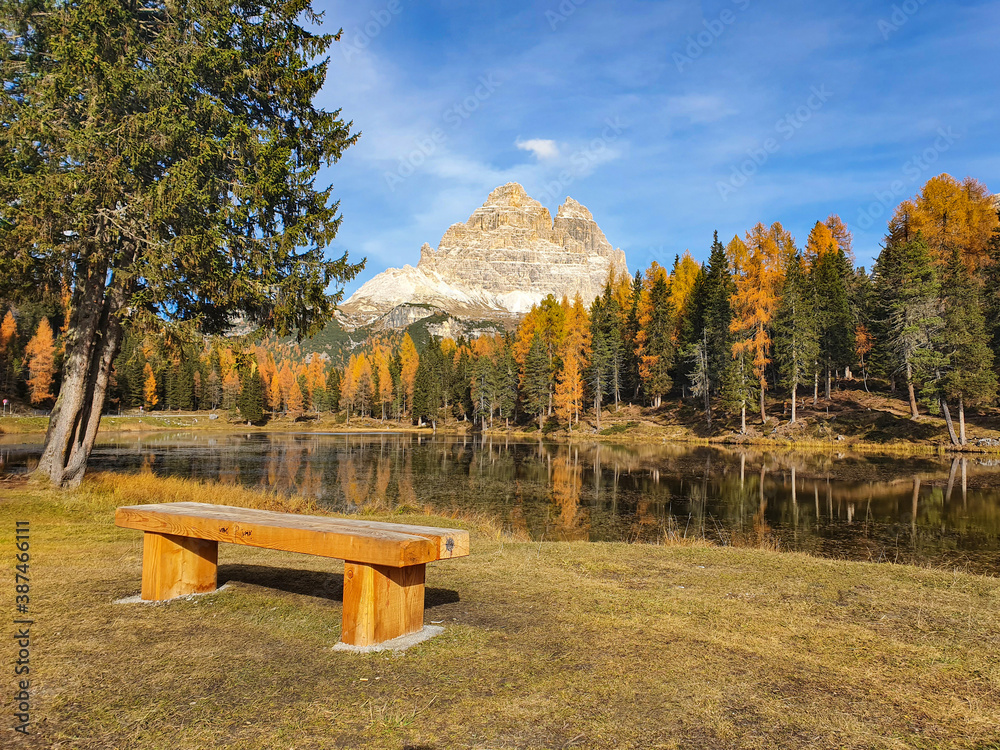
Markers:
{"x": 668, "y": 119}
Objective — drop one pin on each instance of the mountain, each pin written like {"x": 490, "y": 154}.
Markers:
{"x": 508, "y": 256}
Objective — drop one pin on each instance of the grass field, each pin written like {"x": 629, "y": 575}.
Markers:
{"x": 546, "y": 645}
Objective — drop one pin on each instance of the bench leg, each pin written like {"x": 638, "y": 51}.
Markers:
{"x": 177, "y": 566}
{"x": 381, "y": 603}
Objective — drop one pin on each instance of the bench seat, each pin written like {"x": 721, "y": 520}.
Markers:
{"x": 384, "y": 562}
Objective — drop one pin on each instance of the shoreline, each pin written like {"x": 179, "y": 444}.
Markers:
{"x": 646, "y": 434}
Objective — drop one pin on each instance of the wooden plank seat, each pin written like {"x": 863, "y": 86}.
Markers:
{"x": 384, "y": 563}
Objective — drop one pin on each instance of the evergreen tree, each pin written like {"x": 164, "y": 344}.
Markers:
{"x": 718, "y": 289}
{"x": 630, "y": 359}
{"x": 970, "y": 379}
{"x": 611, "y": 323}
{"x": 796, "y": 339}
{"x": 251, "y": 399}
{"x": 830, "y": 274}
{"x": 535, "y": 381}
{"x": 739, "y": 385}
{"x": 461, "y": 387}
{"x": 914, "y": 320}
{"x": 701, "y": 382}
{"x": 179, "y": 187}
{"x": 991, "y": 297}
{"x": 480, "y": 391}
{"x": 333, "y": 389}
{"x": 427, "y": 388}
{"x": 656, "y": 348}
{"x": 887, "y": 275}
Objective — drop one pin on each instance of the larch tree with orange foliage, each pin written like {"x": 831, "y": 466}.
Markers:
{"x": 758, "y": 265}
{"x": 8, "y": 340}
{"x": 950, "y": 215}
{"x": 274, "y": 393}
{"x": 682, "y": 281}
{"x": 41, "y": 356}
{"x": 569, "y": 382}
{"x": 149, "y": 396}
{"x": 821, "y": 241}
{"x": 382, "y": 373}
{"x": 409, "y": 362}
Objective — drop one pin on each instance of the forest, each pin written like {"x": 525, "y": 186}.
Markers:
{"x": 761, "y": 316}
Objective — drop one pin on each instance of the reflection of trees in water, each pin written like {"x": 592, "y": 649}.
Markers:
{"x": 566, "y": 477}
{"x": 835, "y": 505}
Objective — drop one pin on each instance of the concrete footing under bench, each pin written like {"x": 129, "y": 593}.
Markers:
{"x": 396, "y": 644}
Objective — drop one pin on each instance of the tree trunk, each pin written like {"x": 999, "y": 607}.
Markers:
{"x": 743, "y": 419}
{"x": 947, "y": 420}
{"x": 815, "y": 388}
{"x": 827, "y": 383}
{"x": 73, "y": 424}
{"x": 961, "y": 420}
{"x": 795, "y": 387}
{"x": 763, "y": 416}
{"x": 909, "y": 388}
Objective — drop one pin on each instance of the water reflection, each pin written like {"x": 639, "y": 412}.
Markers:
{"x": 924, "y": 510}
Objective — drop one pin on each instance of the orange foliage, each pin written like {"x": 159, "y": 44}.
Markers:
{"x": 759, "y": 265}
{"x": 950, "y": 214}
{"x": 682, "y": 283}
{"x": 408, "y": 371}
{"x": 41, "y": 354}
{"x": 149, "y": 388}
{"x": 821, "y": 241}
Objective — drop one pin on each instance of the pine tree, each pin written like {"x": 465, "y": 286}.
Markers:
{"x": 333, "y": 389}
{"x": 970, "y": 379}
{"x": 796, "y": 339}
{"x": 427, "y": 390}
{"x": 739, "y": 385}
{"x": 655, "y": 337}
{"x": 480, "y": 380}
{"x": 179, "y": 186}
{"x": 701, "y": 382}
{"x": 830, "y": 274}
{"x": 461, "y": 394}
{"x": 914, "y": 320}
{"x": 535, "y": 380}
{"x": 991, "y": 298}
{"x": 41, "y": 355}
{"x": 717, "y": 316}
{"x": 251, "y": 399}
{"x": 630, "y": 359}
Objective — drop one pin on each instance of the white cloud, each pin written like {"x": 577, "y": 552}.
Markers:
{"x": 542, "y": 148}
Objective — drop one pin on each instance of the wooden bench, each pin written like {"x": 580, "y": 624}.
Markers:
{"x": 383, "y": 569}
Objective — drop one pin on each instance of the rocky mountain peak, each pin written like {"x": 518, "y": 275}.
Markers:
{"x": 507, "y": 256}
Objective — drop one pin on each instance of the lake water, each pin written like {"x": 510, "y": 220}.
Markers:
{"x": 928, "y": 510}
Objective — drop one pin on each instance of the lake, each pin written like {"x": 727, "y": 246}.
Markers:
{"x": 927, "y": 510}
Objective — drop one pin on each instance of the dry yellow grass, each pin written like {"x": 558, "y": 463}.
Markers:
{"x": 546, "y": 645}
